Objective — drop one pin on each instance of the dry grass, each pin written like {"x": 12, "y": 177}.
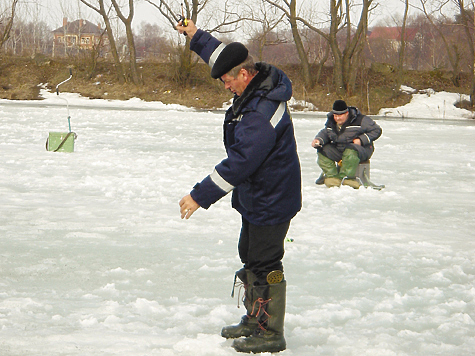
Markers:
{"x": 20, "y": 79}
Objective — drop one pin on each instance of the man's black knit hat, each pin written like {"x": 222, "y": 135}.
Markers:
{"x": 231, "y": 56}
{"x": 339, "y": 107}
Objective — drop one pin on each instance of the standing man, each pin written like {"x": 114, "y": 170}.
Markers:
{"x": 262, "y": 169}
{"x": 345, "y": 141}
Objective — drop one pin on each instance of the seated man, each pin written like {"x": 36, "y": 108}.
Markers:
{"x": 344, "y": 142}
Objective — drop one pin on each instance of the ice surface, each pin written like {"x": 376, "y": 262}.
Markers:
{"x": 95, "y": 259}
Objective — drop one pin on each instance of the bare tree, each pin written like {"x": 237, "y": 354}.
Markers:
{"x": 101, "y": 10}
{"x": 266, "y": 35}
{"x": 6, "y": 22}
{"x": 127, "y": 21}
{"x": 468, "y": 23}
{"x": 28, "y": 38}
{"x": 290, "y": 11}
{"x": 92, "y": 55}
{"x": 150, "y": 42}
{"x": 318, "y": 51}
{"x": 346, "y": 61}
{"x": 172, "y": 15}
{"x": 225, "y": 19}
{"x": 402, "y": 48}
{"x": 452, "y": 48}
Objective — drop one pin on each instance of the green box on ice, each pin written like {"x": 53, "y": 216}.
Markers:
{"x": 61, "y": 141}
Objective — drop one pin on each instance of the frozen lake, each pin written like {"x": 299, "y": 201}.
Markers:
{"x": 95, "y": 259}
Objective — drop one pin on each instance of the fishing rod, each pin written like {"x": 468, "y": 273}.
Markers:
{"x": 183, "y": 19}
{"x": 64, "y": 81}
{"x": 59, "y": 141}
{"x": 67, "y": 103}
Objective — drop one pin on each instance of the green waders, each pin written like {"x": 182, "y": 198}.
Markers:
{"x": 330, "y": 171}
{"x": 349, "y": 164}
{"x": 327, "y": 165}
{"x": 347, "y": 171}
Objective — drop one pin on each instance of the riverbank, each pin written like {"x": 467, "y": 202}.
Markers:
{"x": 22, "y": 78}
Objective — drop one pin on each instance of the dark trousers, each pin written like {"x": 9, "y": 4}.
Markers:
{"x": 331, "y": 151}
{"x": 261, "y": 248}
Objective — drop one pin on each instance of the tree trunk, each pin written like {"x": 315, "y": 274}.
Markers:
{"x": 402, "y": 49}
{"x": 185, "y": 65}
{"x": 6, "y": 32}
{"x": 471, "y": 41}
{"x": 110, "y": 35}
{"x": 291, "y": 14}
{"x": 352, "y": 53}
{"x": 306, "y": 71}
{"x": 130, "y": 39}
{"x": 338, "y": 81}
{"x": 452, "y": 51}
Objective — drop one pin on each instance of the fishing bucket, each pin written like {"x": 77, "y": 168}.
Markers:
{"x": 60, "y": 141}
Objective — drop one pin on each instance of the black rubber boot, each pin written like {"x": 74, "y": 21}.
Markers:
{"x": 248, "y": 323}
{"x": 270, "y": 311}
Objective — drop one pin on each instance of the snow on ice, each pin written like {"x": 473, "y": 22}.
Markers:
{"x": 429, "y": 104}
{"x": 95, "y": 259}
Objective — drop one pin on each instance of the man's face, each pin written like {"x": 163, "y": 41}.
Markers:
{"x": 341, "y": 118}
{"x": 235, "y": 84}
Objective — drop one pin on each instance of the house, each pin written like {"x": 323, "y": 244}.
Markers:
{"x": 76, "y": 35}
{"x": 392, "y": 35}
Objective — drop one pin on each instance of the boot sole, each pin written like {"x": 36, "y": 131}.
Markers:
{"x": 228, "y": 336}
{"x": 258, "y": 350}
{"x": 241, "y": 346}
{"x": 234, "y": 334}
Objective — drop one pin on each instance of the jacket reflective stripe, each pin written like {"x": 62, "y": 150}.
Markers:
{"x": 215, "y": 54}
{"x": 220, "y": 182}
{"x": 278, "y": 115}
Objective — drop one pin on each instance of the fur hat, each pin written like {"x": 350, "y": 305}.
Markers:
{"x": 231, "y": 56}
{"x": 339, "y": 107}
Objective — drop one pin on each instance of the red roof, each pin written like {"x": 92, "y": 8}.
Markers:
{"x": 391, "y": 33}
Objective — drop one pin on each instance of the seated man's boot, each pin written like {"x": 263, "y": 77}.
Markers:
{"x": 269, "y": 309}
{"x": 332, "y": 182}
{"x": 353, "y": 183}
{"x": 349, "y": 165}
{"x": 321, "y": 179}
{"x": 248, "y": 323}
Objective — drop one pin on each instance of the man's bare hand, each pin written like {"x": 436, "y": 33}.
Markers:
{"x": 190, "y": 29}
{"x": 188, "y": 206}
{"x": 316, "y": 143}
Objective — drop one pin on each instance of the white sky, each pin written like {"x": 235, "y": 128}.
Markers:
{"x": 53, "y": 11}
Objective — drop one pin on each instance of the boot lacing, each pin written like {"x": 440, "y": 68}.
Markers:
{"x": 238, "y": 284}
{"x": 261, "y": 311}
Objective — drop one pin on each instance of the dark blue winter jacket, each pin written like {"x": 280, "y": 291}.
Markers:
{"x": 262, "y": 166}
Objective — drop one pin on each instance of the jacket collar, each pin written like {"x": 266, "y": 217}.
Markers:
{"x": 262, "y": 81}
